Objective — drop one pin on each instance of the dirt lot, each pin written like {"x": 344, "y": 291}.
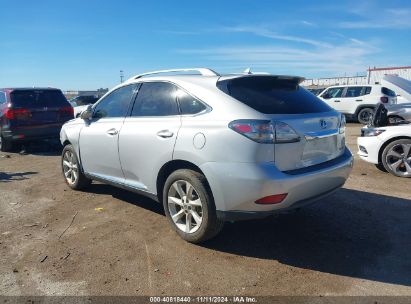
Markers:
{"x": 356, "y": 242}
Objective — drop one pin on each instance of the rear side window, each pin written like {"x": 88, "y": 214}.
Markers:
{"x": 388, "y": 92}
{"x": 115, "y": 104}
{"x": 271, "y": 95}
{"x": 189, "y": 104}
{"x": 156, "y": 99}
{"x": 2, "y": 97}
{"x": 38, "y": 98}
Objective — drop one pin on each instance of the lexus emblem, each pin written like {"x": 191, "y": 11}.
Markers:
{"x": 323, "y": 124}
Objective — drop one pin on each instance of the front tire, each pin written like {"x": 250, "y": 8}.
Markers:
{"x": 189, "y": 206}
{"x": 396, "y": 158}
{"x": 365, "y": 115}
{"x": 73, "y": 175}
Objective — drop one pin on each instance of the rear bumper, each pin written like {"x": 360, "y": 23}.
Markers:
{"x": 25, "y": 133}
{"x": 236, "y": 186}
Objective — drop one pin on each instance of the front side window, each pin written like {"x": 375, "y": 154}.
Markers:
{"x": 189, "y": 104}
{"x": 353, "y": 92}
{"x": 334, "y": 92}
{"x": 156, "y": 99}
{"x": 115, "y": 104}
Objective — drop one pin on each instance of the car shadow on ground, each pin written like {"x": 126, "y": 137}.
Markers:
{"x": 39, "y": 148}
{"x": 6, "y": 177}
{"x": 351, "y": 233}
{"x": 127, "y": 196}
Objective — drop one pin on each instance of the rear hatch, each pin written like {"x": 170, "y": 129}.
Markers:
{"x": 40, "y": 107}
{"x": 292, "y": 109}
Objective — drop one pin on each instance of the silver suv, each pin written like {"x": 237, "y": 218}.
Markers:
{"x": 211, "y": 148}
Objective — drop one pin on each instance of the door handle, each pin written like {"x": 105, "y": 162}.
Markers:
{"x": 165, "y": 133}
{"x": 112, "y": 132}
{"x": 358, "y": 100}
{"x": 336, "y": 101}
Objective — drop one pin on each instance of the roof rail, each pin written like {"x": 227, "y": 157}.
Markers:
{"x": 202, "y": 71}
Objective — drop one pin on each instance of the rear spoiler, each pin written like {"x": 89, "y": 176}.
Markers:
{"x": 294, "y": 79}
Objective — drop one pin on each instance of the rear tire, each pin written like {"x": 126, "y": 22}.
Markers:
{"x": 73, "y": 175}
{"x": 189, "y": 206}
{"x": 5, "y": 145}
{"x": 365, "y": 115}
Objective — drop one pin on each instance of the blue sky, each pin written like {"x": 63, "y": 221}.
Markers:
{"x": 82, "y": 44}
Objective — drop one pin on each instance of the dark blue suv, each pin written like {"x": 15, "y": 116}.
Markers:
{"x": 30, "y": 114}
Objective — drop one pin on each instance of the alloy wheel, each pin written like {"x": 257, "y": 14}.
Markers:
{"x": 399, "y": 159}
{"x": 70, "y": 168}
{"x": 185, "y": 206}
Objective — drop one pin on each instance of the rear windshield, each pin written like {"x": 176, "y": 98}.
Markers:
{"x": 270, "y": 95}
{"x": 388, "y": 92}
{"x": 38, "y": 98}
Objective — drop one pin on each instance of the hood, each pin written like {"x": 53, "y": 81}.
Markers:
{"x": 400, "y": 85}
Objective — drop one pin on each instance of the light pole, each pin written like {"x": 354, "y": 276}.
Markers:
{"x": 121, "y": 76}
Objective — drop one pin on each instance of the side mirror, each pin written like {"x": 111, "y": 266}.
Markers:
{"x": 87, "y": 113}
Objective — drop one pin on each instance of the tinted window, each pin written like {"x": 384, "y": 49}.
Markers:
{"x": 353, "y": 91}
{"x": 189, "y": 104}
{"x": 38, "y": 98}
{"x": 2, "y": 97}
{"x": 388, "y": 92}
{"x": 271, "y": 95}
{"x": 116, "y": 103}
{"x": 156, "y": 99}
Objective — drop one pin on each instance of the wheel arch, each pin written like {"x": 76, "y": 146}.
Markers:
{"x": 382, "y": 148}
{"x": 169, "y": 168}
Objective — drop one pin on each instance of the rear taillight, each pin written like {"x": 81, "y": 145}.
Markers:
{"x": 384, "y": 99}
{"x": 263, "y": 131}
{"x": 260, "y": 131}
{"x": 272, "y": 199}
{"x": 67, "y": 110}
{"x": 12, "y": 114}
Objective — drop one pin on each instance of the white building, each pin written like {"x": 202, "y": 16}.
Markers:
{"x": 374, "y": 76}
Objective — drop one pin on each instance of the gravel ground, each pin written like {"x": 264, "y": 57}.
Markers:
{"x": 106, "y": 241}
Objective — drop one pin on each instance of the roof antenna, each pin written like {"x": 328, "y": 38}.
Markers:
{"x": 247, "y": 71}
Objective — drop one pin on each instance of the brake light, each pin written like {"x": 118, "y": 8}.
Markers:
{"x": 12, "y": 114}
{"x": 67, "y": 110}
{"x": 263, "y": 131}
{"x": 272, "y": 199}
{"x": 384, "y": 99}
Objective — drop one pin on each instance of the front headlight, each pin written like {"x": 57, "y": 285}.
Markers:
{"x": 371, "y": 132}
{"x": 343, "y": 124}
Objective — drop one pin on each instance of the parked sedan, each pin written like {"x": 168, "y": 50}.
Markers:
{"x": 399, "y": 112}
{"x": 389, "y": 148}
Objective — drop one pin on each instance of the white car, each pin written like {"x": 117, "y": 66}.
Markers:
{"x": 389, "y": 148}
{"x": 358, "y": 102}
